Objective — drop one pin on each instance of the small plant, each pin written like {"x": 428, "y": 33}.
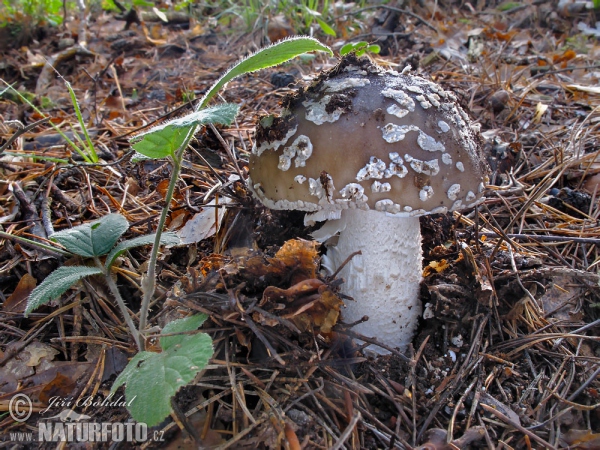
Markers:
{"x": 170, "y": 141}
{"x": 152, "y": 379}
{"x": 33, "y": 12}
{"x": 91, "y": 241}
{"x": 359, "y": 48}
{"x": 85, "y": 149}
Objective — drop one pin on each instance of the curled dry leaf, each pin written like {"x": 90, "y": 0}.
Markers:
{"x": 18, "y": 299}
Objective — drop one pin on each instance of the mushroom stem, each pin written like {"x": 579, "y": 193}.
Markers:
{"x": 384, "y": 279}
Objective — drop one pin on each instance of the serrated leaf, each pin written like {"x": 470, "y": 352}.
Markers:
{"x": 130, "y": 370}
{"x": 138, "y": 157}
{"x": 325, "y": 27}
{"x": 93, "y": 238}
{"x": 151, "y": 379}
{"x": 168, "y": 238}
{"x": 56, "y": 284}
{"x": 180, "y": 326}
{"x": 164, "y": 140}
{"x": 161, "y": 143}
{"x": 270, "y": 56}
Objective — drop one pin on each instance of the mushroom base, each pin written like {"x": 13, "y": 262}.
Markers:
{"x": 384, "y": 279}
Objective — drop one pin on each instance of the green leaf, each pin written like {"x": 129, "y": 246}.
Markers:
{"x": 165, "y": 139}
{"x": 273, "y": 55}
{"x": 180, "y": 326}
{"x": 168, "y": 238}
{"x": 130, "y": 370}
{"x": 138, "y": 157}
{"x": 506, "y": 6}
{"x": 325, "y": 27}
{"x": 161, "y": 143}
{"x": 374, "y": 48}
{"x": 56, "y": 284}
{"x": 91, "y": 151}
{"x": 346, "y": 48}
{"x": 357, "y": 47}
{"x": 93, "y": 238}
{"x": 151, "y": 379}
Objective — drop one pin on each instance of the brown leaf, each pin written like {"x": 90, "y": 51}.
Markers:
{"x": 60, "y": 386}
{"x": 18, "y": 299}
{"x": 301, "y": 257}
{"x": 581, "y": 439}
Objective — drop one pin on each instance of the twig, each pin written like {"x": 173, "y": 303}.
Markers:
{"x": 374, "y": 341}
{"x": 390, "y": 8}
{"x": 347, "y": 432}
{"x": 525, "y": 431}
{"x": 22, "y": 130}
{"x": 542, "y": 238}
{"x": 227, "y": 149}
{"x": 587, "y": 382}
{"x": 263, "y": 339}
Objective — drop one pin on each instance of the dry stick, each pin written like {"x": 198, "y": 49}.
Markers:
{"x": 513, "y": 424}
{"x": 449, "y": 437}
{"x": 227, "y": 149}
{"x": 587, "y": 382}
{"x": 454, "y": 383}
{"x": 538, "y": 237}
{"x": 374, "y": 341}
{"x": 347, "y": 432}
{"x": 346, "y": 261}
{"x": 390, "y": 8}
{"x": 285, "y": 322}
{"x": 263, "y": 339}
{"x": 413, "y": 373}
{"x": 541, "y": 189}
{"x": 20, "y": 131}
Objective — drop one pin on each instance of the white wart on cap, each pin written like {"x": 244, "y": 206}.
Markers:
{"x": 370, "y": 150}
{"x": 362, "y": 137}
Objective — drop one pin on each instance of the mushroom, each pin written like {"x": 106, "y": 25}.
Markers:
{"x": 370, "y": 150}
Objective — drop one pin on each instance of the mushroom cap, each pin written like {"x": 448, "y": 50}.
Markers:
{"x": 364, "y": 137}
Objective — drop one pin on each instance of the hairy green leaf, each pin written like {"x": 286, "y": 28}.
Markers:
{"x": 151, "y": 379}
{"x": 165, "y": 139}
{"x": 95, "y": 238}
{"x": 56, "y": 284}
{"x": 180, "y": 326}
{"x": 273, "y": 55}
{"x": 168, "y": 238}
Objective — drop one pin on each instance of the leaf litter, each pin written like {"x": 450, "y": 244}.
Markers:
{"x": 507, "y": 355}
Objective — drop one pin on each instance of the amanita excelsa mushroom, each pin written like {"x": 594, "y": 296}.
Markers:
{"x": 370, "y": 151}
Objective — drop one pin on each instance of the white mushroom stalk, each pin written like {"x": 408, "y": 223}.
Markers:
{"x": 383, "y": 279}
{"x": 369, "y": 151}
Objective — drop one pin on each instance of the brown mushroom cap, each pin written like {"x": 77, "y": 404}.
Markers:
{"x": 364, "y": 137}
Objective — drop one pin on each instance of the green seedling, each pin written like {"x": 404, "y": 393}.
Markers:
{"x": 151, "y": 379}
{"x": 311, "y": 14}
{"x": 359, "y": 48}
{"x": 86, "y": 149}
{"x": 91, "y": 241}
{"x": 33, "y": 12}
{"x": 171, "y": 139}
{"x": 182, "y": 358}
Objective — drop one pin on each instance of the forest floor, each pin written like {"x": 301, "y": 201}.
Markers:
{"x": 508, "y": 356}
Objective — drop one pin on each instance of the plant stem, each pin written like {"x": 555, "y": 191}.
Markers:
{"x": 149, "y": 280}
{"x": 117, "y": 295}
{"x": 49, "y": 248}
